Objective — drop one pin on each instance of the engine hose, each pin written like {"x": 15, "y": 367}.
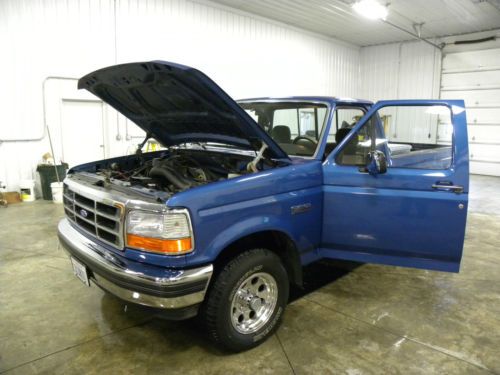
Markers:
{"x": 171, "y": 176}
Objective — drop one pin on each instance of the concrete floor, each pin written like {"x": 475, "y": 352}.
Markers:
{"x": 351, "y": 319}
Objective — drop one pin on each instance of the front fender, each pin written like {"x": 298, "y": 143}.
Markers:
{"x": 217, "y": 228}
{"x": 226, "y": 211}
{"x": 245, "y": 228}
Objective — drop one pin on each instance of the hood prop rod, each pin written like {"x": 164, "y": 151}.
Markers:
{"x": 252, "y": 166}
{"x": 141, "y": 145}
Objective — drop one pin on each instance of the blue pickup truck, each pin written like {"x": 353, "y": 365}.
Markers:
{"x": 221, "y": 220}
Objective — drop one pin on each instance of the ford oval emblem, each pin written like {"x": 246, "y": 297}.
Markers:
{"x": 84, "y": 213}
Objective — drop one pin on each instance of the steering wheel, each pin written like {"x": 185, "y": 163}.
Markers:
{"x": 303, "y": 137}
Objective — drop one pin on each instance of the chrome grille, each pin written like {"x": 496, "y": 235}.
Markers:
{"x": 100, "y": 219}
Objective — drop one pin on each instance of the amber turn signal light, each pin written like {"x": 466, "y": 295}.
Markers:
{"x": 158, "y": 245}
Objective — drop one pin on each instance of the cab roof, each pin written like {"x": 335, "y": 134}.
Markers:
{"x": 328, "y": 99}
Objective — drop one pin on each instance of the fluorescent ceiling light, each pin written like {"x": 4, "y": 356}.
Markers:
{"x": 370, "y": 9}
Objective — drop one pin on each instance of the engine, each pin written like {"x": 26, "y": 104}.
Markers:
{"x": 175, "y": 171}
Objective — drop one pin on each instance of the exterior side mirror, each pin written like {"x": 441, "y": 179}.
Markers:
{"x": 377, "y": 163}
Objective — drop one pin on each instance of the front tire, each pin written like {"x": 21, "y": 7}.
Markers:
{"x": 245, "y": 303}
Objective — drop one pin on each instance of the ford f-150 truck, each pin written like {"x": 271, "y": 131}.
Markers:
{"x": 243, "y": 194}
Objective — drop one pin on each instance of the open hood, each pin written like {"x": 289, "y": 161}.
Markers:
{"x": 177, "y": 104}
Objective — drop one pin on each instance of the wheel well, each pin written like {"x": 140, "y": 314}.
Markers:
{"x": 275, "y": 241}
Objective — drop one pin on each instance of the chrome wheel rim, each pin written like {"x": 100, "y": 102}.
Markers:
{"x": 253, "y": 303}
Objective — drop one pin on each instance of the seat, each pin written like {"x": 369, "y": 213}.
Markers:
{"x": 311, "y": 134}
{"x": 329, "y": 148}
{"x": 281, "y": 134}
{"x": 350, "y": 155}
{"x": 341, "y": 134}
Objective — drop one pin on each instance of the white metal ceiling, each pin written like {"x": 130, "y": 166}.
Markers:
{"x": 335, "y": 18}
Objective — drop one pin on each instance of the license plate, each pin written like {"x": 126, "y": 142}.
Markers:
{"x": 80, "y": 271}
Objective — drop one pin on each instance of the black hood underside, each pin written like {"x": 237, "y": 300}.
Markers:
{"x": 177, "y": 104}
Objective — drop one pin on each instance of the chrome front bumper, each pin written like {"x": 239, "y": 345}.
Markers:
{"x": 133, "y": 281}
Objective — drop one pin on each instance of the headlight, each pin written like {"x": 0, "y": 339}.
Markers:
{"x": 166, "y": 233}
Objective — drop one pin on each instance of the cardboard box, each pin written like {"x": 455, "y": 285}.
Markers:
{"x": 11, "y": 197}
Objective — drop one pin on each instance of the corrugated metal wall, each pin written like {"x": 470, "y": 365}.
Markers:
{"x": 408, "y": 70}
{"x": 41, "y": 39}
{"x": 247, "y": 55}
{"x": 412, "y": 70}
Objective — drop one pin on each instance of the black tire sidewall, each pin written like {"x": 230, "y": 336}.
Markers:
{"x": 253, "y": 261}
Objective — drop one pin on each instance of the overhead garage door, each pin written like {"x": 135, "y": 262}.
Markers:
{"x": 475, "y": 77}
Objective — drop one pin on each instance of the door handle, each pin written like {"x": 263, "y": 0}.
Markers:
{"x": 449, "y": 187}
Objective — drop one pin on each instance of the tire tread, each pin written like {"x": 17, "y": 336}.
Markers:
{"x": 209, "y": 311}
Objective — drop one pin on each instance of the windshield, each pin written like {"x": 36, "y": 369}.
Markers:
{"x": 295, "y": 126}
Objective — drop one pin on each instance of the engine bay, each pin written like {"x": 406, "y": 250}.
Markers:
{"x": 176, "y": 170}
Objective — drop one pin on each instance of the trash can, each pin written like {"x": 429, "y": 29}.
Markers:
{"x": 48, "y": 176}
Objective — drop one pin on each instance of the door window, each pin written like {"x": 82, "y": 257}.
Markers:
{"x": 411, "y": 136}
{"x": 344, "y": 118}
